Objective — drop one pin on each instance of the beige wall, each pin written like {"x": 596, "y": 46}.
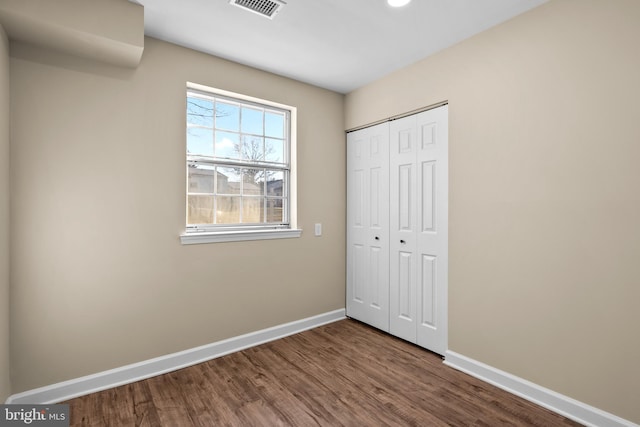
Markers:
{"x": 544, "y": 200}
{"x": 110, "y": 31}
{"x": 5, "y": 383}
{"x": 100, "y": 278}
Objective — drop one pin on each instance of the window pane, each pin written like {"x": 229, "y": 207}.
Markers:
{"x": 200, "y": 210}
{"x": 237, "y": 162}
{"x": 274, "y": 150}
{"x": 253, "y": 181}
{"x": 200, "y": 141}
{"x": 228, "y": 181}
{"x": 252, "y": 121}
{"x": 274, "y": 124}
{"x": 201, "y": 179}
{"x": 275, "y": 183}
{"x": 252, "y": 148}
{"x": 227, "y": 210}
{"x": 252, "y": 209}
{"x": 199, "y": 112}
{"x": 227, "y": 145}
{"x": 274, "y": 211}
{"x": 227, "y": 116}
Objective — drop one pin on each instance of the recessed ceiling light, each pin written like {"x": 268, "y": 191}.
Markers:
{"x": 398, "y": 3}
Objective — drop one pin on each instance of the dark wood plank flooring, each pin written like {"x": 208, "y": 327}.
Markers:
{"x": 341, "y": 374}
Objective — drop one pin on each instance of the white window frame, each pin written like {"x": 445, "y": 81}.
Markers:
{"x": 213, "y": 234}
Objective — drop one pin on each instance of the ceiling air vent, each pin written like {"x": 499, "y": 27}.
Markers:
{"x": 267, "y": 8}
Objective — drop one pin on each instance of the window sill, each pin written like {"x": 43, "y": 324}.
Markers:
{"x": 237, "y": 236}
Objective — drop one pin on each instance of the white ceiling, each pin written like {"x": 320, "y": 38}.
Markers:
{"x": 336, "y": 44}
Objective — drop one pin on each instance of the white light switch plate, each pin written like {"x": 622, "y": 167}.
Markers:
{"x": 318, "y": 230}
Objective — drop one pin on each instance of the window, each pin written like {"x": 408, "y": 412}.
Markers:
{"x": 240, "y": 173}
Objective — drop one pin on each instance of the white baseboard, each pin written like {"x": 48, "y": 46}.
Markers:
{"x": 161, "y": 365}
{"x": 556, "y": 402}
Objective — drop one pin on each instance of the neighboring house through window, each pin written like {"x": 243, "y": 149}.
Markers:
{"x": 240, "y": 162}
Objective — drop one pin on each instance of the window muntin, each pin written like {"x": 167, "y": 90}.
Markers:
{"x": 238, "y": 164}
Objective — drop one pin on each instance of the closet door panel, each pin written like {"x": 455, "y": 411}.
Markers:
{"x": 403, "y": 221}
{"x": 368, "y": 225}
{"x": 432, "y": 158}
{"x": 378, "y": 232}
{"x": 356, "y": 220}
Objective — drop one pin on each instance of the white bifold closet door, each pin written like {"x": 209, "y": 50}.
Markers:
{"x": 419, "y": 228}
{"x": 368, "y": 225}
{"x": 397, "y": 208}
